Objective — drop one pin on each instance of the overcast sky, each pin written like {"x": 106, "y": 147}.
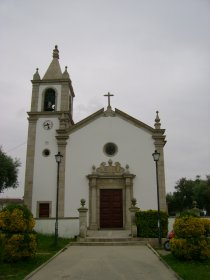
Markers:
{"x": 151, "y": 54}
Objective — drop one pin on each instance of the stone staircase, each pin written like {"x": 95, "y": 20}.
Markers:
{"x": 109, "y": 238}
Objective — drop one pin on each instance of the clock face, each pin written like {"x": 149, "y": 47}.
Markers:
{"x": 47, "y": 124}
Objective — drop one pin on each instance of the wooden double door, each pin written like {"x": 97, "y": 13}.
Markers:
{"x": 111, "y": 208}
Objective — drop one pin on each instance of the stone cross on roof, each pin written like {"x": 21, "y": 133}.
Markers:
{"x": 109, "y": 95}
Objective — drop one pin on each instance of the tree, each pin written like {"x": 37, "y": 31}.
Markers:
{"x": 187, "y": 191}
{"x": 203, "y": 194}
{"x": 8, "y": 171}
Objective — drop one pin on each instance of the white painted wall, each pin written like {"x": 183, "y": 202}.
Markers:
{"x": 85, "y": 148}
{"x": 45, "y": 168}
{"x": 66, "y": 227}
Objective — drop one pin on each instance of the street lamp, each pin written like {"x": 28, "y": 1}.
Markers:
{"x": 58, "y": 159}
{"x": 156, "y": 157}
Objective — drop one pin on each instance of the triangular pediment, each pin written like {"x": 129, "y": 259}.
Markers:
{"x": 111, "y": 114}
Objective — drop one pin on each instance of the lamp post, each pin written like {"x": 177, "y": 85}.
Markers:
{"x": 58, "y": 159}
{"x": 156, "y": 157}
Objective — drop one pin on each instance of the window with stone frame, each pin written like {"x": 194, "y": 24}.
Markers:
{"x": 44, "y": 209}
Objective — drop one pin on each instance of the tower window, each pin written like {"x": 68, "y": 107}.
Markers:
{"x": 49, "y": 100}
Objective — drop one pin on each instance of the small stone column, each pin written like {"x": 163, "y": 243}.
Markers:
{"x": 82, "y": 219}
{"x": 133, "y": 209}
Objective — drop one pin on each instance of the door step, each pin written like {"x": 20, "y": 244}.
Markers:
{"x": 90, "y": 241}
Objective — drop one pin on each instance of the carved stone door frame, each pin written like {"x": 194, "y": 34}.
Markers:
{"x": 109, "y": 177}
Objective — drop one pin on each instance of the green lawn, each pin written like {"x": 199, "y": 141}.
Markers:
{"x": 46, "y": 249}
{"x": 189, "y": 270}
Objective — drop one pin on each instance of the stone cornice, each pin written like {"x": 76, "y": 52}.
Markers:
{"x": 159, "y": 138}
{"x": 119, "y": 113}
{"x": 32, "y": 118}
{"x": 55, "y": 82}
{"x": 111, "y": 176}
{"x": 61, "y": 139}
{"x": 134, "y": 121}
{"x": 87, "y": 120}
{"x": 158, "y": 134}
{"x": 49, "y": 114}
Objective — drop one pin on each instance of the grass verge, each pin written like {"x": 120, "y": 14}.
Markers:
{"x": 189, "y": 270}
{"x": 46, "y": 249}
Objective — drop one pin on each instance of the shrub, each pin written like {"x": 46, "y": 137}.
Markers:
{"x": 188, "y": 227}
{"x": 147, "y": 223}
{"x": 17, "y": 239}
{"x": 1, "y": 247}
{"x": 190, "y": 213}
{"x": 190, "y": 242}
{"x": 16, "y": 218}
{"x": 206, "y": 224}
{"x": 19, "y": 246}
{"x": 190, "y": 249}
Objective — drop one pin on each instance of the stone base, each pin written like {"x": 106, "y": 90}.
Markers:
{"x": 134, "y": 231}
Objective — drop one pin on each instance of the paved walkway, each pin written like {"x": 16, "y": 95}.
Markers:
{"x": 105, "y": 262}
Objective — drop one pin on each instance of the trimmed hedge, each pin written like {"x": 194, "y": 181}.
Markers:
{"x": 147, "y": 223}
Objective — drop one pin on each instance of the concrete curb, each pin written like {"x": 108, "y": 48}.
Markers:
{"x": 45, "y": 263}
{"x": 162, "y": 260}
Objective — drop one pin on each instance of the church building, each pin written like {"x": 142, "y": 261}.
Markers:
{"x": 106, "y": 159}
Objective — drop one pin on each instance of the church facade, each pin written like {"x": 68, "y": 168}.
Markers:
{"x": 106, "y": 160}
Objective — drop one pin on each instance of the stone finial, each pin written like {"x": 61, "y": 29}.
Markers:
{"x": 36, "y": 75}
{"x": 65, "y": 74}
{"x": 157, "y": 121}
{"x": 93, "y": 169}
{"x": 133, "y": 202}
{"x": 56, "y": 52}
{"x": 82, "y": 201}
{"x": 127, "y": 169}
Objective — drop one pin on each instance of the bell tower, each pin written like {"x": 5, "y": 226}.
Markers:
{"x": 53, "y": 93}
{"x": 50, "y": 117}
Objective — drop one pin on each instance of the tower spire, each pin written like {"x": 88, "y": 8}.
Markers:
{"x": 54, "y": 70}
{"x": 66, "y": 74}
{"x": 36, "y": 75}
